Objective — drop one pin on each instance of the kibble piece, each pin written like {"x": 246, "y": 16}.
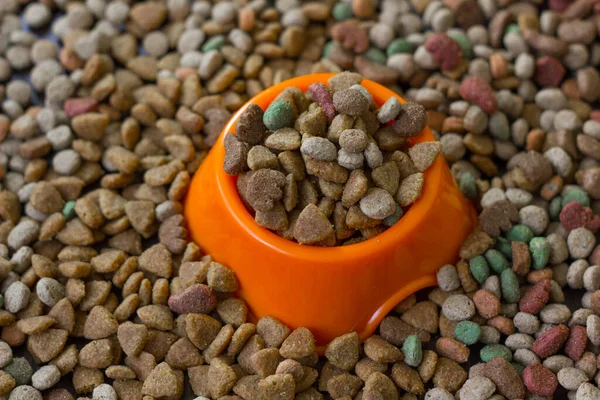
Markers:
{"x": 410, "y": 121}
{"x": 47, "y": 345}
{"x": 351, "y": 102}
{"x": 318, "y": 148}
{"x": 343, "y": 351}
{"x": 424, "y": 154}
{"x": 100, "y": 324}
{"x": 410, "y": 189}
{"x": 277, "y": 387}
{"x": 272, "y": 331}
{"x": 249, "y": 126}
{"x": 377, "y": 204}
{"x": 299, "y": 343}
{"x": 313, "y": 227}
{"x": 201, "y": 329}
{"x": 407, "y": 378}
{"x": 389, "y": 110}
{"x": 377, "y": 349}
{"x": 284, "y": 139}
{"x": 162, "y": 381}
{"x": 236, "y": 154}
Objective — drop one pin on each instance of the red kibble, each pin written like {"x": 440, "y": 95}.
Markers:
{"x": 197, "y": 298}
{"x": 576, "y": 342}
{"x": 574, "y": 215}
{"x": 478, "y": 91}
{"x": 549, "y": 71}
{"x": 536, "y": 297}
{"x": 550, "y": 342}
{"x": 83, "y": 105}
{"x": 322, "y": 95}
{"x": 539, "y": 380}
{"x": 444, "y": 50}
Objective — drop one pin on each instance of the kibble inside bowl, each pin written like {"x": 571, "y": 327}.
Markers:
{"x": 329, "y": 166}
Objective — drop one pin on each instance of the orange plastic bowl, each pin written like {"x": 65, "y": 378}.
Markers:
{"x": 331, "y": 290}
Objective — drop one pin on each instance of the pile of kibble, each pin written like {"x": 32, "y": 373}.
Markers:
{"x": 325, "y": 198}
{"x": 108, "y": 107}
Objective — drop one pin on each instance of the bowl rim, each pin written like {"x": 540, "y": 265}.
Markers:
{"x": 409, "y": 222}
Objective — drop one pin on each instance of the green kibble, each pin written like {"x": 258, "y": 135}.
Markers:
{"x": 497, "y": 261}
{"x": 519, "y": 233}
{"x": 279, "y": 115}
{"x": 467, "y": 332}
{"x": 504, "y": 246}
{"x": 413, "y": 353}
{"x": 494, "y": 350}
{"x": 467, "y": 185}
{"x": 19, "y": 369}
{"x": 68, "y": 210}
{"x": 374, "y": 54}
{"x": 512, "y": 28}
{"x": 539, "y": 247}
{"x": 399, "y": 46}
{"x": 554, "y": 208}
{"x": 463, "y": 42}
{"x": 509, "y": 285}
{"x": 578, "y": 195}
{"x": 214, "y": 43}
{"x": 342, "y": 11}
{"x": 327, "y": 49}
{"x": 479, "y": 268}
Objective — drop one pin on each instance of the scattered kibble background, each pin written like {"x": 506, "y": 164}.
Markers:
{"x": 100, "y": 135}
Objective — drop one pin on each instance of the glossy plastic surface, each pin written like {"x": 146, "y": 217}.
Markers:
{"x": 336, "y": 290}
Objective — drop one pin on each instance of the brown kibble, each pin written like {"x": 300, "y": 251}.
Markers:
{"x": 90, "y": 126}
{"x": 46, "y": 198}
{"x": 132, "y": 337}
{"x": 232, "y": 311}
{"x": 424, "y": 154}
{"x": 423, "y": 315}
{"x": 157, "y": 260}
{"x": 378, "y": 349}
{"x": 100, "y": 324}
{"x": 300, "y": 343}
{"x": 142, "y": 364}
{"x": 221, "y": 378}
{"x": 162, "y": 381}
{"x": 410, "y": 189}
{"x": 236, "y": 154}
{"x": 201, "y": 329}
{"x": 449, "y": 375}
{"x": 156, "y": 316}
{"x": 249, "y": 126}
{"x": 344, "y": 385}
{"x": 395, "y": 331}
{"x": 99, "y": 353}
{"x": 313, "y": 227}
{"x": 34, "y": 325}
{"x": 47, "y": 345}
{"x": 264, "y": 362}
{"x": 86, "y": 379}
{"x": 240, "y": 337}
{"x": 428, "y": 364}
{"x": 272, "y": 331}
{"x": 219, "y": 344}
{"x": 221, "y": 278}
{"x": 277, "y": 387}
{"x": 183, "y": 355}
{"x": 407, "y": 378}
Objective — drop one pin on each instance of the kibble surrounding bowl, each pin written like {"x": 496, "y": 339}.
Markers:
{"x": 328, "y": 290}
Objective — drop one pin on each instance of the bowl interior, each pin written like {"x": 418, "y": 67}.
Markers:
{"x": 407, "y": 223}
